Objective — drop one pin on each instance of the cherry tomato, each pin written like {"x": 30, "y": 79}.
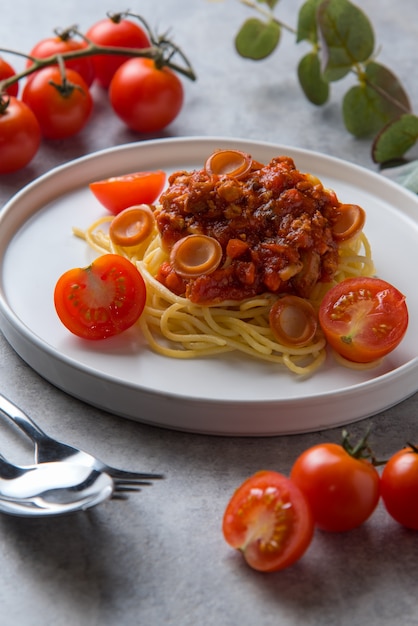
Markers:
{"x": 399, "y": 487}
{"x": 342, "y": 490}
{"x": 59, "y": 45}
{"x": 62, "y": 109}
{"x": 6, "y": 71}
{"x": 363, "y": 319}
{"x": 269, "y": 520}
{"x": 20, "y": 135}
{"x": 119, "y": 33}
{"x": 101, "y": 300}
{"x": 121, "y": 192}
{"x": 145, "y": 97}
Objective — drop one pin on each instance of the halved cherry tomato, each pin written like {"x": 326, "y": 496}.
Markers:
{"x": 269, "y": 520}
{"x": 100, "y": 300}
{"x": 340, "y": 485}
{"x": 363, "y": 319}
{"x": 399, "y": 486}
{"x": 121, "y": 192}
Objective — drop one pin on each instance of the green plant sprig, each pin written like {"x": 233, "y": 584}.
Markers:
{"x": 342, "y": 43}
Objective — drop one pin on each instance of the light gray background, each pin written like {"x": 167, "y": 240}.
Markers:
{"x": 160, "y": 557}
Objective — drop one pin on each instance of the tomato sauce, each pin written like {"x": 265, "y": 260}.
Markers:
{"x": 274, "y": 225}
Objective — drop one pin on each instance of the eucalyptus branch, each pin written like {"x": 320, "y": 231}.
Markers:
{"x": 268, "y": 14}
{"x": 342, "y": 42}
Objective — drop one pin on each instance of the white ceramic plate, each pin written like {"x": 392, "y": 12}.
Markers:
{"x": 227, "y": 395}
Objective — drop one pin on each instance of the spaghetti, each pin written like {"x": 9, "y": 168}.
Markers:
{"x": 176, "y": 326}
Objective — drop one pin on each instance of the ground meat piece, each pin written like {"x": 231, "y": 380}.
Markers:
{"x": 283, "y": 217}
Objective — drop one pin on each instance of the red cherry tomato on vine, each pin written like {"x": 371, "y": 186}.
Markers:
{"x": 269, "y": 520}
{"x": 145, "y": 97}
{"x": 6, "y": 71}
{"x": 121, "y": 192}
{"x": 363, "y": 319}
{"x": 342, "y": 490}
{"x": 399, "y": 487}
{"x": 20, "y": 135}
{"x": 62, "y": 110}
{"x": 119, "y": 33}
{"x": 59, "y": 45}
{"x": 101, "y": 300}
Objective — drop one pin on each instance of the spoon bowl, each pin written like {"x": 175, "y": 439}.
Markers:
{"x": 51, "y": 489}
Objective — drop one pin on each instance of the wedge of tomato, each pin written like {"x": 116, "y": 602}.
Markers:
{"x": 121, "y": 192}
{"x": 363, "y": 318}
{"x": 269, "y": 520}
{"x": 101, "y": 300}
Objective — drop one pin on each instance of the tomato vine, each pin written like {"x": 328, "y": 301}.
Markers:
{"x": 342, "y": 42}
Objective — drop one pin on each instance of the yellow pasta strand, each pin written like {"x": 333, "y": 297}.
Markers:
{"x": 175, "y": 327}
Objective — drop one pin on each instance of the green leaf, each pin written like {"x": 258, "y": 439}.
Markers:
{"x": 316, "y": 89}
{"x": 395, "y": 139}
{"x": 307, "y": 26}
{"x": 256, "y": 39}
{"x": 270, "y": 3}
{"x": 371, "y": 105}
{"x": 346, "y": 35}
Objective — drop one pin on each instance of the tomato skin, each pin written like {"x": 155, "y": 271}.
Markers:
{"x": 146, "y": 98}
{"x": 7, "y": 71}
{"x": 121, "y": 192}
{"x": 399, "y": 487}
{"x": 58, "y": 45}
{"x": 269, "y": 520}
{"x": 101, "y": 300}
{"x": 363, "y": 319}
{"x": 116, "y": 33}
{"x": 20, "y": 136}
{"x": 59, "y": 115}
{"x": 342, "y": 491}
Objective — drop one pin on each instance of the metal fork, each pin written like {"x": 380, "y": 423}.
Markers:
{"x": 48, "y": 449}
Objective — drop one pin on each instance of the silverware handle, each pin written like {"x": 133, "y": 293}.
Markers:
{"x": 18, "y": 417}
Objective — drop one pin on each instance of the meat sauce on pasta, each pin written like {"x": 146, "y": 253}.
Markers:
{"x": 274, "y": 226}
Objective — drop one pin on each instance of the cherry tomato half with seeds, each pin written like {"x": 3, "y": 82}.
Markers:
{"x": 61, "y": 107}
{"x": 20, "y": 135}
{"x": 342, "y": 490}
{"x": 116, "y": 32}
{"x": 363, "y": 319}
{"x": 52, "y": 46}
{"x": 399, "y": 487}
{"x": 101, "y": 300}
{"x": 7, "y": 71}
{"x": 146, "y": 98}
{"x": 269, "y": 520}
{"x": 121, "y": 192}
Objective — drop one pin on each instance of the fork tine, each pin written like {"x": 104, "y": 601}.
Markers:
{"x": 126, "y": 474}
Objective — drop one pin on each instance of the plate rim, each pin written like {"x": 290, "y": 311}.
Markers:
{"x": 14, "y": 326}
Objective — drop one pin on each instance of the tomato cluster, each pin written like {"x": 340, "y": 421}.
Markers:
{"x": 56, "y": 101}
{"x": 271, "y": 518}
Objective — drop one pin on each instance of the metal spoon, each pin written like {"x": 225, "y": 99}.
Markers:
{"x": 51, "y": 489}
{"x": 48, "y": 449}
